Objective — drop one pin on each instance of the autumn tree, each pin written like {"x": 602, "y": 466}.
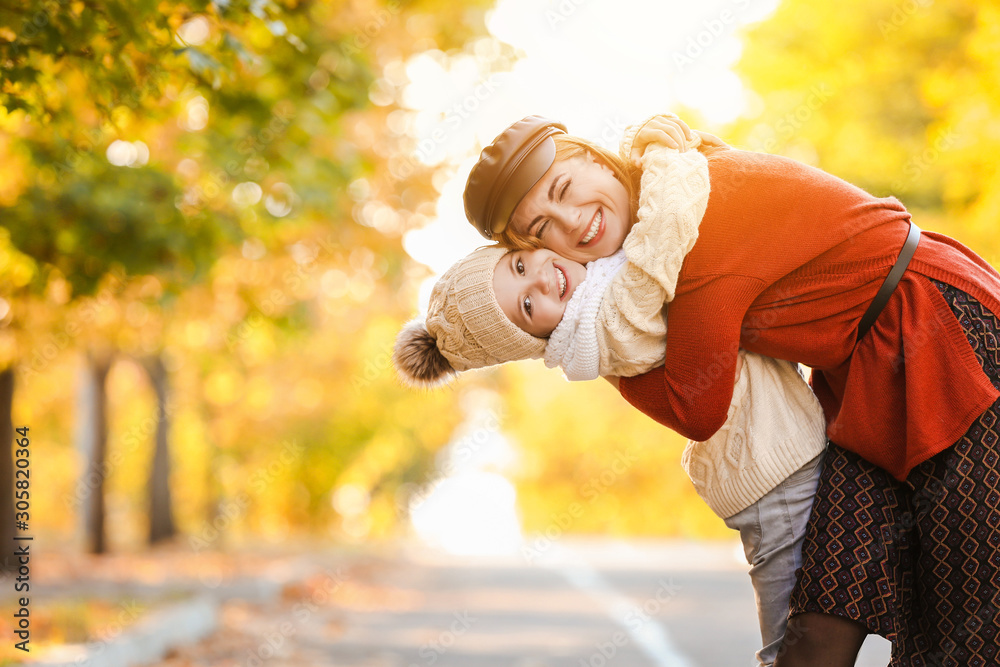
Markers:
{"x": 897, "y": 97}
{"x": 153, "y": 147}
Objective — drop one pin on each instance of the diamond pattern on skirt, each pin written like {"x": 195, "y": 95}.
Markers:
{"x": 916, "y": 562}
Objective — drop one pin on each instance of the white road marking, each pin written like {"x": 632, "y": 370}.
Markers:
{"x": 648, "y": 634}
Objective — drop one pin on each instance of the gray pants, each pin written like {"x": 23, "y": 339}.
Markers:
{"x": 772, "y": 530}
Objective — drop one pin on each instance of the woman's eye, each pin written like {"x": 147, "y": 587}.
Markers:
{"x": 527, "y": 305}
{"x": 520, "y": 267}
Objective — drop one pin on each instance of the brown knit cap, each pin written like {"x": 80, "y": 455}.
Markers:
{"x": 466, "y": 324}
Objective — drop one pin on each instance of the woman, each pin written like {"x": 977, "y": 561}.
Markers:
{"x": 792, "y": 263}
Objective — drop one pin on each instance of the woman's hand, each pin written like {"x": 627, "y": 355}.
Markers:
{"x": 666, "y": 130}
{"x": 710, "y": 140}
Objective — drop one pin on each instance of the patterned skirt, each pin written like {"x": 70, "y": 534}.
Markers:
{"x": 917, "y": 562}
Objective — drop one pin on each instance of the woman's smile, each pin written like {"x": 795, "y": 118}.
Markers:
{"x": 596, "y": 229}
{"x": 578, "y": 209}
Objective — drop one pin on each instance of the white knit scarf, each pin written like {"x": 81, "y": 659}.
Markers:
{"x": 573, "y": 344}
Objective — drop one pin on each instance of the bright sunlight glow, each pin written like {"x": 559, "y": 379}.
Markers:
{"x": 596, "y": 65}
{"x": 469, "y": 508}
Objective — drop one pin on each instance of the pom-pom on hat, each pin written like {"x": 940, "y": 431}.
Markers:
{"x": 465, "y": 326}
{"x": 506, "y": 170}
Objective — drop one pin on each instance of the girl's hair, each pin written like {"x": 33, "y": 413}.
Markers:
{"x": 567, "y": 147}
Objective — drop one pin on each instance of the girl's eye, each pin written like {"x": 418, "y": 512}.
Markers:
{"x": 520, "y": 267}
{"x": 527, "y": 305}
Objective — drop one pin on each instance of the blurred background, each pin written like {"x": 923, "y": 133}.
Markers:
{"x": 216, "y": 216}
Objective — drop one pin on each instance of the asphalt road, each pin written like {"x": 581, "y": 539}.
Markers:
{"x": 579, "y": 604}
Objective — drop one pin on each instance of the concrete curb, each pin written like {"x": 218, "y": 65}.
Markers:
{"x": 148, "y": 640}
{"x": 172, "y": 625}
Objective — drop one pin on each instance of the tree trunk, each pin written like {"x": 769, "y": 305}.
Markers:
{"x": 93, "y": 443}
{"x": 161, "y": 518}
{"x": 7, "y": 466}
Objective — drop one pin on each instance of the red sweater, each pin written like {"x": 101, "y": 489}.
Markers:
{"x": 787, "y": 260}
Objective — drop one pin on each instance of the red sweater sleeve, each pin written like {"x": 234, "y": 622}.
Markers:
{"x": 691, "y": 392}
{"x": 788, "y": 235}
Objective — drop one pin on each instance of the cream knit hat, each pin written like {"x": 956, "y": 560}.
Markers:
{"x": 465, "y": 327}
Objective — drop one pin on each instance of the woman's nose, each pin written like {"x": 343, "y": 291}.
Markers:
{"x": 568, "y": 219}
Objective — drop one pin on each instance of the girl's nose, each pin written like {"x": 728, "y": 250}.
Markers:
{"x": 542, "y": 279}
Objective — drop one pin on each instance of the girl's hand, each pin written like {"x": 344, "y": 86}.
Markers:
{"x": 666, "y": 130}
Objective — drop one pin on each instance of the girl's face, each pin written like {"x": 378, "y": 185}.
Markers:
{"x": 577, "y": 209}
{"x": 534, "y": 286}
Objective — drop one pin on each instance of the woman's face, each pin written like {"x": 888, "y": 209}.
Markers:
{"x": 578, "y": 209}
{"x": 534, "y": 286}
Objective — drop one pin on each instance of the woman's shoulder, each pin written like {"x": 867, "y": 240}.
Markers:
{"x": 736, "y": 158}
{"x": 776, "y": 176}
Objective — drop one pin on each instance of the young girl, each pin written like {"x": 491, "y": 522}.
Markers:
{"x": 758, "y": 472}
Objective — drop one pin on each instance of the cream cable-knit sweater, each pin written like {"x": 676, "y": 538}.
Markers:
{"x": 775, "y": 424}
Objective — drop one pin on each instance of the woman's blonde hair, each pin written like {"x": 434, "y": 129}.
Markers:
{"x": 567, "y": 147}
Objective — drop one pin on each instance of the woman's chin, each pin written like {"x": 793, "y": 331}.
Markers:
{"x": 601, "y": 248}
